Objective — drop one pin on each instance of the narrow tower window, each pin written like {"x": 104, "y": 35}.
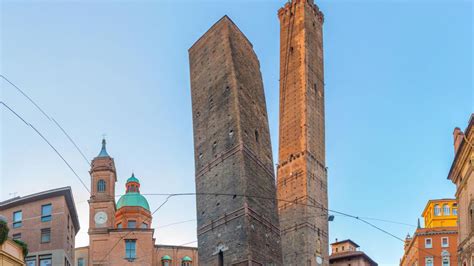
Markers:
{"x": 221, "y": 258}
{"x": 256, "y": 136}
{"x": 101, "y": 185}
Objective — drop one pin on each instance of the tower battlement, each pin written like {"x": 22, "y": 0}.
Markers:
{"x": 286, "y": 10}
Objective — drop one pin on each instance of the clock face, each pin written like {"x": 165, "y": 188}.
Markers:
{"x": 100, "y": 218}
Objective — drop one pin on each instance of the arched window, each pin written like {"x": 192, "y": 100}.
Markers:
{"x": 446, "y": 256}
{"x": 429, "y": 261}
{"x": 455, "y": 212}
{"x": 101, "y": 185}
{"x": 446, "y": 210}
{"x": 437, "y": 210}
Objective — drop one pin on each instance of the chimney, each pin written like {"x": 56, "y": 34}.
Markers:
{"x": 458, "y": 137}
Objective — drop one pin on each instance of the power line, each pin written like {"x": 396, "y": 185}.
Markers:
{"x": 294, "y": 202}
{"x": 49, "y": 143}
{"x": 180, "y": 222}
{"x": 147, "y": 220}
{"x": 50, "y": 118}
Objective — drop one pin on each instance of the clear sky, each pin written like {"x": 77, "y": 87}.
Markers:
{"x": 398, "y": 80}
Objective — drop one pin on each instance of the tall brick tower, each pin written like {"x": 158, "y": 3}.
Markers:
{"x": 302, "y": 176}
{"x": 232, "y": 152}
{"x": 101, "y": 203}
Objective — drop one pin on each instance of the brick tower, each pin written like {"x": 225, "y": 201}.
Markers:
{"x": 302, "y": 176}
{"x": 101, "y": 203}
{"x": 232, "y": 152}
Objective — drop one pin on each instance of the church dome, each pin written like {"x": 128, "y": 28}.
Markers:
{"x": 133, "y": 198}
{"x": 186, "y": 259}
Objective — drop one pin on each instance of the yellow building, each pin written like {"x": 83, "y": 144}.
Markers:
{"x": 441, "y": 213}
{"x": 11, "y": 254}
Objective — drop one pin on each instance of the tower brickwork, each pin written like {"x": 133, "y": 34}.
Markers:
{"x": 232, "y": 152}
{"x": 301, "y": 171}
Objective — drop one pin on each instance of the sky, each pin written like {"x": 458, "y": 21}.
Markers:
{"x": 398, "y": 80}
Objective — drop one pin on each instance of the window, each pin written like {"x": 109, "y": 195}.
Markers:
{"x": 429, "y": 261}
{"x": 45, "y": 260}
{"x": 445, "y": 242}
{"x": 446, "y": 210}
{"x": 455, "y": 212}
{"x": 437, "y": 210}
{"x": 17, "y": 217}
{"x": 445, "y": 261}
{"x": 80, "y": 262}
{"x": 221, "y": 258}
{"x": 130, "y": 249}
{"x": 45, "y": 236}
{"x": 132, "y": 224}
{"x": 101, "y": 185}
{"x": 16, "y": 236}
{"x": 46, "y": 212}
{"x": 119, "y": 225}
{"x": 30, "y": 261}
{"x": 144, "y": 226}
{"x": 428, "y": 243}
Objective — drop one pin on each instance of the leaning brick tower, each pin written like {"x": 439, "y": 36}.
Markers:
{"x": 232, "y": 152}
{"x": 301, "y": 171}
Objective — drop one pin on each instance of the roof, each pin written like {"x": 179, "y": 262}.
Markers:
{"x": 458, "y": 153}
{"x": 436, "y": 201}
{"x": 133, "y": 179}
{"x": 133, "y": 199}
{"x": 174, "y": 247}
{"x": 225, "y": 18}
{"x": 103, "y": 151}
{"x": 346, "y": 241}
{"x": 66, "y": 192}
{"x": 351, "y": 255}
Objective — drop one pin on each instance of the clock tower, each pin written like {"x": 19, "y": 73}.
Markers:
{"x": 102, "y": 200}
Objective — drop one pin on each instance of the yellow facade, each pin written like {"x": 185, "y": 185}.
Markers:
{"x": 440, "y": 213}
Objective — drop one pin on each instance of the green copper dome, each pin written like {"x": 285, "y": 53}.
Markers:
{"x": 133, "y": 179}
{"x": 186, "y": 259}
{"x": 133, "y": 196}
{"x": 166, "y": 257}
{"x": 133, "y": 199}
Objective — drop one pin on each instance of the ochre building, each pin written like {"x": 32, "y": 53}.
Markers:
{"x": 462, "y": 175}
{"x": 121, "y": 233}
{"x": 301, "y": 172}
{"x": 441, "y": 213}
{"x": 11, "y": 254}
{"x": 232, "y": 152}
{"x": 436, "y": 243}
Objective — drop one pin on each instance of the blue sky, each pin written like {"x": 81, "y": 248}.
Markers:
{"x": 398, "y": 80}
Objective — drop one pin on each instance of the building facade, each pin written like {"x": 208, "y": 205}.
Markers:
{"x": 462, "y": 175}
{"x": 301, "y": 171}
{"x": 436, "y": 243}
{"x": 121, "y": 233}
{"x": 232, "y": 152}
{"x": 441, "y": 213}
{"x": 347, "y": 253}
{"x": 11, "y": 254}
{"x": 47, "y": 222}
